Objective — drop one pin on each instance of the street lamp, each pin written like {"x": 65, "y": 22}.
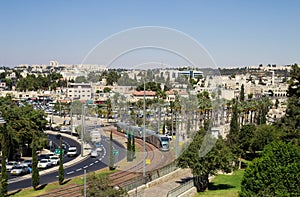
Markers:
{"x": 82, "y": 128}
{"x": 144, "y": 133}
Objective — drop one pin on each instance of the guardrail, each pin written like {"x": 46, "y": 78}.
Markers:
{"x": 181, "y": 189}
{"x": 155, "y": 174}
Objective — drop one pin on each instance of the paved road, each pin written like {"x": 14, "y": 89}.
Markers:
{"x": 72, "y": 169}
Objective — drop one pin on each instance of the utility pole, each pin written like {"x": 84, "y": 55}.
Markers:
{"x": 82, "y": 128}
{"x": 144, "y": 132}
{"x": 84, "y": 192}
{"x": 177, "y": 136}
{"x": 71, "y": 117}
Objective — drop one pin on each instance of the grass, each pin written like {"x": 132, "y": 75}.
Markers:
{"x": 225, "y": 185}
{"x": 30, "y": 192}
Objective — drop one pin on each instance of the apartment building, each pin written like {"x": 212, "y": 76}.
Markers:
{"x": 80, "y": 91}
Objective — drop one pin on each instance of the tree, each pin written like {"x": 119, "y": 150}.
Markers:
{"x": 245, "y": 137}
{"x": 262, "y": 136}
{"x": 242, "y": 93}
{"x": 111, "y": 155}
{"x": 276, "y": 103}
{"x": 129, "y": 148}
{"x": 203, "y": 161}
{"x": 100, "y": 185}
{"x": 35, "y": 170}
{"x": 275, "y": 173}
{"x": 4, "y": 176}
{"x": 233, "y": 135}
{"x": 81, "y": 79}
{"x": 61, "y": 171}
{"x": 133, "y": 147}
{"x": 22, "y": 123}
{"x": 263, "y": 108}
{"x": 112, "y": 77}
{"x": 290, "y": 123}
{"x": 106, "y": 90}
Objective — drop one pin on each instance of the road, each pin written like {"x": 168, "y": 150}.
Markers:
{"x": 76, "y": 169}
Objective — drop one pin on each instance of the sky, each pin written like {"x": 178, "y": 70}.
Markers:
{"x": 232, "y": 32}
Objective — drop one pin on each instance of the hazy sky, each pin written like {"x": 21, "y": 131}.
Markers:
{"x": 235, "y": 33}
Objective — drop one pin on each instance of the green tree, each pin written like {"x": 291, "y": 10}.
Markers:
{"x": 263, "y": 108}
{"x": 129, "y": 147}
{"x": 61, "y": 171}
{"x": 81, "y": 79}
{"x": 133, "y": 147}
{"x": 35, "y": 170}
{"x": 245, "y": 137}
{"x": 99, "y": 185}
{"x": 205, "y": 161}
{"x": 232, "y": 137}
{"x": 93, "y": 77}
{"x": 262, "y": 136}
{"x": 290, "y": 123}
{"x": 275, "y": 173}
{"x": 22, "y": 123}
{"x": 106, "y": 90}
{"x": 112, "y": 77}
{"x": 276, "y": 103}
{"x": 242, "y": 93}
{"x": 4, "y": 176}
{"x": 111, "y": 155}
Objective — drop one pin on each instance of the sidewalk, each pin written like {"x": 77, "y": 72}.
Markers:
{"x": 161, "y": 186}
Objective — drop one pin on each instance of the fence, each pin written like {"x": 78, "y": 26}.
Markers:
{"x": 155, "y": 174}
{"x": 181, "y": 189}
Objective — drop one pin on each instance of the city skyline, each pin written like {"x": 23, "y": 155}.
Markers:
{"x": 235, "y": 33}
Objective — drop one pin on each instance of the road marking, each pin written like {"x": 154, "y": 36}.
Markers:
{"x": 85, "y": 167}
{"x": 70, "y": 172}
{"x": 96, "y": 161}
{"x": 91, "y": 164}
{"x": 78, "y": 169}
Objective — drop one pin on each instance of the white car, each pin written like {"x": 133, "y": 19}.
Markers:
{"x": 19, "y": 170}
{"x": 99, "y": 149}
{"x": 72, "y": 151}
{"x": 10, "y": 165}
{"x": 63, "y": 129}
{"x": 44, "y": 163}
{"x": 54, "y": 160}
{"x": 94, "y": 153}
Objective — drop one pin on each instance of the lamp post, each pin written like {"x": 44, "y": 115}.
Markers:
{"x": 144, "y": 133}
{"x": 71, "y": 117}
{"x": 4, "y": 177}
{"x": 82, "y": 128}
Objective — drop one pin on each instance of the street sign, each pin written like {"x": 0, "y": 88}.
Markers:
{"x": 57, "y": 151}
{"x": 148, "y": 161}
{"x": 115, "y": 152}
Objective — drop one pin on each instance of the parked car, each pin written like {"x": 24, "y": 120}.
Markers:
{"x": 63, "y": 129}
{"x": 72, "y": 151}
{"x": 45, "y": 156}
{"x": 20, "y": 170}
{"x": 44, "y": 163}
{"x": 54, "y": 160}
{"x": 27, "y": 163}
{"x": 10, "y": 165}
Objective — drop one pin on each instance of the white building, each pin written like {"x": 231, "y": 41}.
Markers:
{"x": 81, "y": 91}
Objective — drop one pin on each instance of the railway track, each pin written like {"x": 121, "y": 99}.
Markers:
{"x": 120, "y": 178}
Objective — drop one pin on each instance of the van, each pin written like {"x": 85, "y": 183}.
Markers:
{"x": 72, "y": 151}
